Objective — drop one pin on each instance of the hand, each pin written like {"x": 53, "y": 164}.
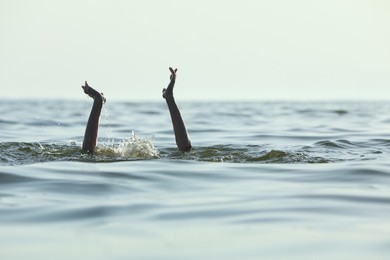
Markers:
{"x": 173, "y": 75}
{"x": 92, "y": 92}
{"x": 87, "y": 89}
{"x": 168, "y": 92}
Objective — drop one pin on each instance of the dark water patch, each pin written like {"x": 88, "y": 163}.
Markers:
{"x": 70, "y": 213}
{"x": 211, "y": 213}
{"x": 235, "y": 214}
{"x": 150, "y": 112}
{"x": 242, "y": 154}
{"x": 350, "y": 198}
{"x": 94, "y": 212}
{"x": 19, "y": 153}
{"x": 380, "y": 142}
{"x": 293, "y": 136}
{"x": 11, "y": 178}
{"x": 266, "y": 220}
{"x": 346, "y": 150}
{"x": 340, "y": 144}
{"x": 128, "y": 176}
{"x": 339, "y": 112}
{"x": 369, "y": 173}
{"x": 363, "y": 173}
{"x": 80, "y": 188}
{"x": 8, "y": 122}
{"x": 276, "y": 156}
{"x": 273, "y": 155}
{"x": 328, "y": 144}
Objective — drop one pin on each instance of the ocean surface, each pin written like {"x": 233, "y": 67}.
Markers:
{"x": 265, "y": 180}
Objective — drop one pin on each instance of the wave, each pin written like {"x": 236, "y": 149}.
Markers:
{"x": 245, "y": 154}
{"x": 136, "y": 148}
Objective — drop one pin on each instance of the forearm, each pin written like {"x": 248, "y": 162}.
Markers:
{"x": 181, "y": 134}
{"x": 91, "y": 131}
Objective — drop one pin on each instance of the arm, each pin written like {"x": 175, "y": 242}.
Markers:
{"x": 181, "y": 135}
{"x": 91, "y": 131}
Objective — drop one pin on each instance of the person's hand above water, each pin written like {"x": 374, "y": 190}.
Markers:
{"x": 92, "y": 92}
{"x": 168, "y": 92}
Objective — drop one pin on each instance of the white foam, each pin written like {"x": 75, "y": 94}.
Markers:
{"x": 137, "y": 148}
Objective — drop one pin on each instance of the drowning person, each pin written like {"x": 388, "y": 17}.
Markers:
{"x": 91, "y": 132}
{"x": 181, "y": 135}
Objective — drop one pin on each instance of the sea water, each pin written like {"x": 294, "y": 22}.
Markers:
{"x": 270, "y": 180}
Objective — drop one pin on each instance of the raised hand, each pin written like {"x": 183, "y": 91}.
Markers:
{"x": 92, "y": 92}
{"x": 173, "y": 73}
{"x": 168, "y": 92}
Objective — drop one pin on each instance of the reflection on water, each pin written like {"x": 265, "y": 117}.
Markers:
{"x": 268, "y": 180}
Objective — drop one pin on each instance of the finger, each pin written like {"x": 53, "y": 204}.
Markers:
{"x": 175, "y": 70}
{"x": 172, "y": 71}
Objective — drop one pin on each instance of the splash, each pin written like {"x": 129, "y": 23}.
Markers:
{"x": 19, "y": 153}
{"x": 137, "y": 148}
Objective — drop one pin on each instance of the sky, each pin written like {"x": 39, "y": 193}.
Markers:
{"x": 223, "y": 49}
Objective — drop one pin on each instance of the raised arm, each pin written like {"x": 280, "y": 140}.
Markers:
{"x": 181, "y": 135}
{"x": 91, "y": 132}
